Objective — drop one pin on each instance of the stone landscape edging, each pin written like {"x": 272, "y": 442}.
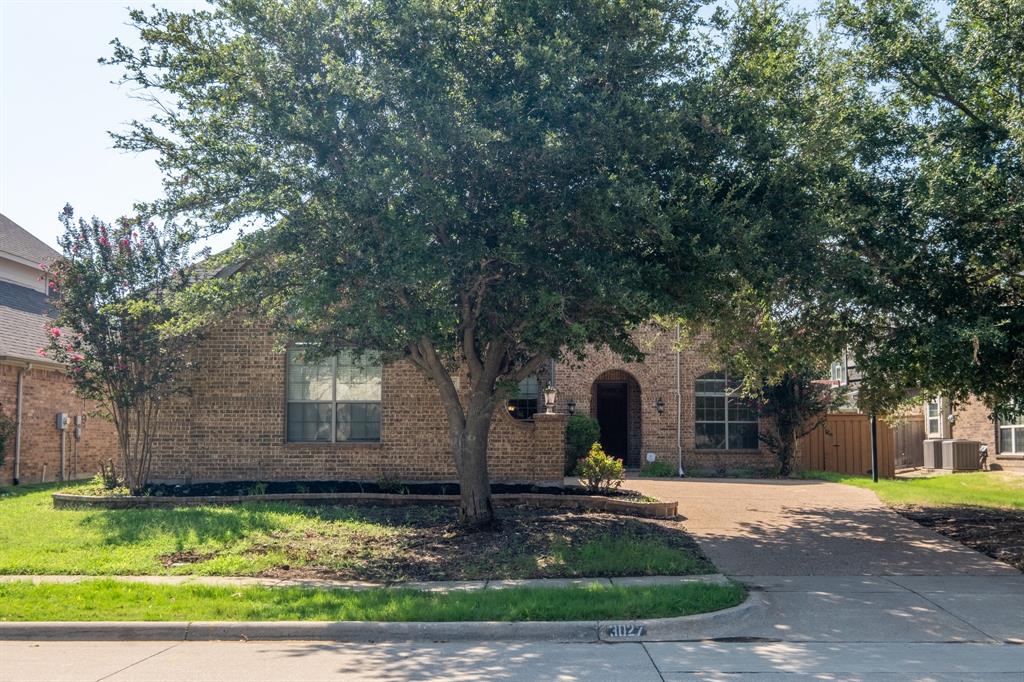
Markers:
{"x": 702, "y": 626}
{"x": 653, "y": 510}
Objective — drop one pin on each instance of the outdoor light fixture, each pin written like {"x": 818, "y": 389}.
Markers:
{"x": 570, "y": 406}
{"x": 511, "y": 408}
{"x": 660, "y": 404}
{"x": 549, "y": 399}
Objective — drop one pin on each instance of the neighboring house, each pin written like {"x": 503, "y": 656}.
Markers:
{"x": 974, "y": 421}
{"x": 938, "y": 419}
{"x": 33, "y": 389}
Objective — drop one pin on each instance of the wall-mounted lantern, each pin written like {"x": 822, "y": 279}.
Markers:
{"x": 660, "y": 405}
{"x": 570, "y": 406}
{"x": 549, "y": 399}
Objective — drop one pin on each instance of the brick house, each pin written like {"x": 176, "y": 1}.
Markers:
{"x": 974, "y": 421}
{"x": 34, "y": 390}
{"x": 254, "y": 412}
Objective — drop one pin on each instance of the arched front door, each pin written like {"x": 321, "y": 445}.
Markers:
{"x": 612, "y": 399}
{"x": 615, "y": 403}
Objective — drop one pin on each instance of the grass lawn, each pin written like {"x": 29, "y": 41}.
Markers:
{"x": 980, "y": 489}
{"x": 111, "y": 600}
{"x": 364, "y": 543}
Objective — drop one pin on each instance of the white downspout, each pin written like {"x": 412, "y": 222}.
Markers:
{"x": 17, "y": 422}
{"x": 679, "y": 405}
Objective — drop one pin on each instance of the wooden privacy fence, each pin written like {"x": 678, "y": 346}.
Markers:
{"x": 843, "y": 444}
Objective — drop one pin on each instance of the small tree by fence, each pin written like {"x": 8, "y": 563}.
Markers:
{"x": 796, "y": 404}
{"x": 112, "y": 292}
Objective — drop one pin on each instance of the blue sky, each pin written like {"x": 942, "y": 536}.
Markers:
{"x": 56, "y": 106}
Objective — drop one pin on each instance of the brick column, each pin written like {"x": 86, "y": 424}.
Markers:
{"x": 549, "y": 442}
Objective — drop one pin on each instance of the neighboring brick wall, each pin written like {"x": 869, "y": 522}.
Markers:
{"x": 974, "y": 422}
{"x": 232, "y": 426}
{"x": 656, "y": 378}
{"x": 45, "y": 393}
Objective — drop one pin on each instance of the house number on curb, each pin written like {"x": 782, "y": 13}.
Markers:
{"x": 618, "y": 631}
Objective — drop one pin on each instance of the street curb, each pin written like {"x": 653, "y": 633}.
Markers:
{"x": 684, "y": 628}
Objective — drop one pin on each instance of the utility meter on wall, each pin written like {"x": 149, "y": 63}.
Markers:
{"x": 62, "y": 421}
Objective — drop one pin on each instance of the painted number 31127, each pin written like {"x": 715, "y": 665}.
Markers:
{"x": 627, "y": 630}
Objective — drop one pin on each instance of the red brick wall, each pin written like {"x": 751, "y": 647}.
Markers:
{"x": 974, "y": 422}
{"x": 656, "y": 377}
{"x": 232, "y": 426}
{"x": 44, "y": 394}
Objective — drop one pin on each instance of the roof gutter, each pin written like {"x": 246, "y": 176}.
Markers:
{"x": 28, "y": 364}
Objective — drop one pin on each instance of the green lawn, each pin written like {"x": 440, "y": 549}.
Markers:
{"x": 981, "y": 489}
{"x": 344, "y": 542}
{"x": 111, "y": 600}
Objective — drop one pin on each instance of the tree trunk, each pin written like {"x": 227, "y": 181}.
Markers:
{"x": 469, "y": 443}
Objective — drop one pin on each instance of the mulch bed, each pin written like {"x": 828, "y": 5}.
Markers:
{"x": 231, "y": 488}
{"x": 999, "y": 533}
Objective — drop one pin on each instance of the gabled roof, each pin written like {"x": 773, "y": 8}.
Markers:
{"x": 21, "y": 245}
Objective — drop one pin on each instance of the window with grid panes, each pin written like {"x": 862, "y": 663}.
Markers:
{"x": 723, "y": 419}
{"x": 334, "y": 400}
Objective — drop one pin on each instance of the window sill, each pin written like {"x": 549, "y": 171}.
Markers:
{"x": 734, "y": 451}
{"x": 1010, "y": 455}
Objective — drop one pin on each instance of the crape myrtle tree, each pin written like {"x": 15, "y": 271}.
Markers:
{"x": 474, "y": 186}
{"x": 112, "y": 291}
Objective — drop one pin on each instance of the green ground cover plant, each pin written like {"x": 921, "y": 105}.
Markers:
{"x": 980, "y": 489}
{"x": 112, "y": 600}
{"x": 357, "y": 543}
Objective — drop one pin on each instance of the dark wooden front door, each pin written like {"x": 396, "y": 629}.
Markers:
{"x": 612, "y": 411}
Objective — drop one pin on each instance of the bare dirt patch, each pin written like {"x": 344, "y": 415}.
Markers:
{"x": 999, "y": 533}
{"x": 529, "y": 543}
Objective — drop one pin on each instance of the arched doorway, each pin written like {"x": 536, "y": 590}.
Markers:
{"x": 615, "y": 404}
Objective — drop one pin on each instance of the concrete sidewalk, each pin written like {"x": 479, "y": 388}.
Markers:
{"x": 797, "y": 527}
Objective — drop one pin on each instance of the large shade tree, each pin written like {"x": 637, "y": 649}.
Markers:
{"x": 473, "y": 186}
{"x": 939, "y": 298}
{"x": 891, "y": 148}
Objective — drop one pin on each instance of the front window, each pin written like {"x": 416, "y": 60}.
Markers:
{"x": 524, "y": 405}
{"x": 724, "y": 420}
{"x": 334, "y": 400}
{"x": 934, "y": 418}
{"x": 1011, "y": 436}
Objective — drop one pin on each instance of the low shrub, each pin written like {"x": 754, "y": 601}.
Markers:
{"x": 581, "y": 431}
{"x": 600, "y": 472}
{"x": 658, "y": 469}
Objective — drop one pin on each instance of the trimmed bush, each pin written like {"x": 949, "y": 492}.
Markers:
{"x": 658, "y": 469}
{"x": 600, "y": 472}
{"x": 581, "y": 432}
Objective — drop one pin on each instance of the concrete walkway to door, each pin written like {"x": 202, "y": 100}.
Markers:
{"x": 810, "y": 528}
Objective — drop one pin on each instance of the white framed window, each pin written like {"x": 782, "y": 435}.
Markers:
{"x": 838, "y": 372}
{"x": 933, "y": 417}
{"x": 1011, "y": 436}
{"x": 335, "y": 399}
{"x": 524, "y": 405}
{"x": 723, "y": 420}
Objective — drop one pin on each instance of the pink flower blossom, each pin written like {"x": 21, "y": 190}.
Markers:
{"x": 41, "y": 352}
{"x": 104, "y": 241}
{"x": 55, "y": 332}
{"x": 76, "y": 357}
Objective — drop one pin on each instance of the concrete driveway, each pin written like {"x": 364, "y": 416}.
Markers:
{"x": 810, "y": 528}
